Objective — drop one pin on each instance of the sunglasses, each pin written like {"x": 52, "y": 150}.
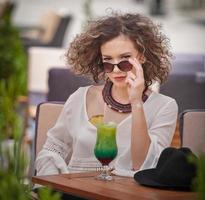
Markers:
{"x": 124, "y": 66}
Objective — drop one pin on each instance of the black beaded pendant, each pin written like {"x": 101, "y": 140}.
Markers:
{"x": 111, "y": 103}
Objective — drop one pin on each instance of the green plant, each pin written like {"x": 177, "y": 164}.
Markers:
{"x": 199, "y": 181}
{"x": 13, "y": 73}
{"x": 13, "y": 60}
{"x": 87, "y": 10}
{"x": 47, "y": 194}
{"x": 13, "y": 80}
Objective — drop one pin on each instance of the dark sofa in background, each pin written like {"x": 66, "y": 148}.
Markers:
{"x": 186, "y": 82}
{"x": 62, "y": 83}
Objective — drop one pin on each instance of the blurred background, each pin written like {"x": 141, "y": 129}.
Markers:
{"x": 183, "y": 20}
{"x": 45, "y": 29}
{"x": 53, "y": 24}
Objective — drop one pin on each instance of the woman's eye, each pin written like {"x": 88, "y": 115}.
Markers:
{"x": 126, "y": 57}
{"x": 106, "y": 59}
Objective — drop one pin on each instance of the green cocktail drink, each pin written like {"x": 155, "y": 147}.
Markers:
{"x": 106, "y": 146}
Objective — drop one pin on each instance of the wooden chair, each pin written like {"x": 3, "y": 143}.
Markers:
{"x": 46, "y": 117}
{"x": 192, "y": 130}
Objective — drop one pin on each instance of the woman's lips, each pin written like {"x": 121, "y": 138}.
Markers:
{"x": 120, "y": 78}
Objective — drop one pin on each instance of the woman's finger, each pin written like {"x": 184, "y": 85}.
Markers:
{"x": 131, "y": 75}
{"x": 137, "y": 66}
{"x": 130, "y": 81}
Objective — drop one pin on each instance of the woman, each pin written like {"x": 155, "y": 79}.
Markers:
{"x": 130, "y": 52}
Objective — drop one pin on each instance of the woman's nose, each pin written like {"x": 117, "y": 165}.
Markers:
{"x": 116, "y": 69}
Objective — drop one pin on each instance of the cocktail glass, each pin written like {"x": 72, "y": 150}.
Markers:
{"x": 106, "y": 147}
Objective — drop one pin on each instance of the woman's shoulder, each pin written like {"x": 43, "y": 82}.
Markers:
{"x": 90, "y": 91}
{"x": 160, "y": 103}
{"x": 77, "y": 96}
{"x": 162, "y": 99}
{"x": 80, "y": 92}
{"x": 95, "y": 90}
{"x": 162, "y": 96}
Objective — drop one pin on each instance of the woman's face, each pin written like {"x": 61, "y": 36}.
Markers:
{"x": 116, "y": 50}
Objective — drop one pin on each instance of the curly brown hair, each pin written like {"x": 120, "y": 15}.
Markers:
{"x": 84, "y": 53}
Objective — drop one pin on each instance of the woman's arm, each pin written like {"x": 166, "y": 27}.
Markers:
{"x": 146, "y": 145}
{"x": 140, "y": 140}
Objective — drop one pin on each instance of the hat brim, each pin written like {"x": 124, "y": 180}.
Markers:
{"x": 148, "y": 178}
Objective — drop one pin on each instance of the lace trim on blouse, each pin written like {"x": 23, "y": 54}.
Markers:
{"x": 82, "y": 169}
{"x": 85, "y": 164}
{"x": 56, "y": 146}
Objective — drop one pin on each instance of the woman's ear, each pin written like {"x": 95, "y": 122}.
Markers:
{"x": 142, "y": 59}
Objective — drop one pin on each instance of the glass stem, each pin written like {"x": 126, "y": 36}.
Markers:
{"x": 106, "y": 170}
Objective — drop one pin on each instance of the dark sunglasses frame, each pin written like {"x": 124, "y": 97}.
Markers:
{"x": 124, "y": 66}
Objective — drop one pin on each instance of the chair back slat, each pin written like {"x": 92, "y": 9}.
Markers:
{"x": 46, "y": 117}
{"x": 192, "y": 129}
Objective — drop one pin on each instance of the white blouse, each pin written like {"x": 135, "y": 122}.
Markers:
{"x": 70, "y": 143}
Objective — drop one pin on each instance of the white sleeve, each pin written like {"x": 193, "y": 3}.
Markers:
{"x": 161, "y": 133}
{"x": 58, "y": 146}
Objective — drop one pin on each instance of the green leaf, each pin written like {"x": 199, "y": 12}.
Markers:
{"x": 48, "y": 194}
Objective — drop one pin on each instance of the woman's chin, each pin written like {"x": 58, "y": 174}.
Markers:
{"x": 120, "y": 84}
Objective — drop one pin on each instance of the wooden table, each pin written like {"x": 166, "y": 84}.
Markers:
{"x": 122, "y": 188}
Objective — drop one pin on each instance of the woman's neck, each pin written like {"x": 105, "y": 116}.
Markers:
{"x": 120, "y": 94}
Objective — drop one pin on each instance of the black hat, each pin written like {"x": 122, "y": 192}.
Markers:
{"x": 173, "y": 171}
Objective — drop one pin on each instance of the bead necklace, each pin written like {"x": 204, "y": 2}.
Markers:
{"x": 111, "y": 103}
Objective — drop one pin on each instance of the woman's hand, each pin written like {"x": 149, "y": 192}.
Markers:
{"x": 135, "y": 82}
